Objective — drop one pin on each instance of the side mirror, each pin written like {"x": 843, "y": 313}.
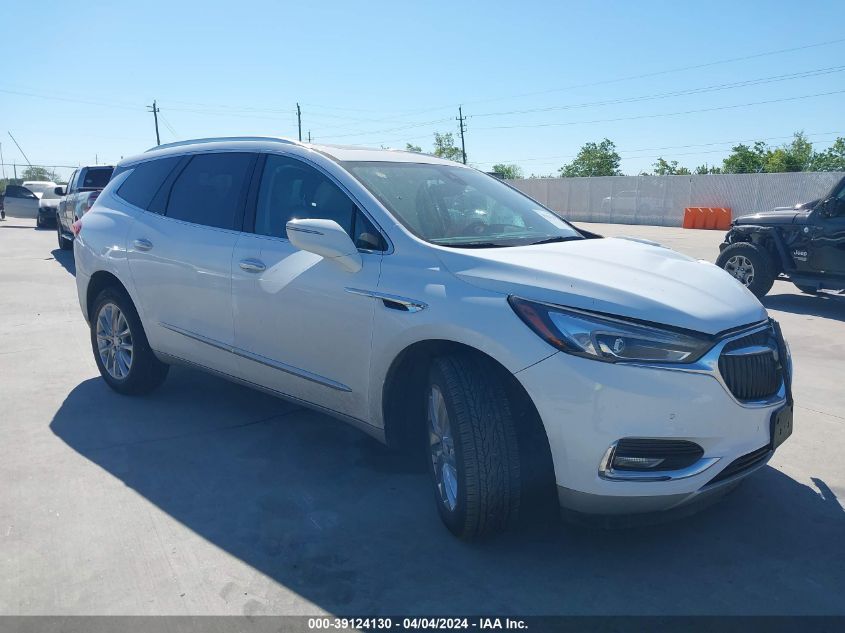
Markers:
{"x": 59, "y": 191}
{"x": 327, "y": 239}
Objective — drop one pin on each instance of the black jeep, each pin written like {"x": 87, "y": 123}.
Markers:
{"x": 804, "y": 243}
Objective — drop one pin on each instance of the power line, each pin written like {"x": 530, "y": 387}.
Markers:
{"x": 658, "y": 149}
{"x": 167, "y": 124}
{"x": 20, "y": 149}
{"x": 666, "y": 71}
{"x": 676, "y": 93}
{"x": 663, "y": 114}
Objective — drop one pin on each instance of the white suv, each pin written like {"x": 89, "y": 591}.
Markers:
{"x": 431, "y": 305}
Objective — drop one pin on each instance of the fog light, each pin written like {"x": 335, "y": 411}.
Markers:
{"x": 625, "y": 462}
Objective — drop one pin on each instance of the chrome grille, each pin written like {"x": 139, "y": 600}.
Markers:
{"x": 749, "y": 366}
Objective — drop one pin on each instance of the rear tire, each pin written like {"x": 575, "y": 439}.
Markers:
{"x": 472, "y": 445}
{"x": 751, "y": 265}
{"x": 64, "y": 243}
{"x": 120, "y": 345}
{"x": 39, "y": 224}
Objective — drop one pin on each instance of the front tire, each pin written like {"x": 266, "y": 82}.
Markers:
{"x": 120, "y": 345}
{"x": 473, "y": 452}
{"x": 751, "y": 265}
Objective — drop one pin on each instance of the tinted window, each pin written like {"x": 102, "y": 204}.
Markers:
{"x": 211, "y": 189}
{"x": 291, "y": 190}
{"x": 95, "y": 177}
{"x": 366, "y": 235}
{"x": 145, "y": 180}
{"x": 16, "y": 191}
{"x": 70, "y": 183}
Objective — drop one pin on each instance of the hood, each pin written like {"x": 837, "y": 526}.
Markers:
{"x": 615, "y": 276}
{"x": 777, "y": 217}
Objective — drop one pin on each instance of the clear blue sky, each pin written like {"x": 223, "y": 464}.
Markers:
{"x": 389, "y": 72}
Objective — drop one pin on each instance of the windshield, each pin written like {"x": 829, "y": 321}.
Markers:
{"x": 39, "y": 187}
{"x": 459, "y": 207}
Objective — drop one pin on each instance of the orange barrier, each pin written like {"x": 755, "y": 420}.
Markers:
{"x": 718, "y": 218}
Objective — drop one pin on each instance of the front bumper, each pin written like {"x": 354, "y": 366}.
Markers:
{"x": 47, "y": 215}
{"x": 586, "y": 406}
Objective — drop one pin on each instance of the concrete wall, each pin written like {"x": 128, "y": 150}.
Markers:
{"x": 660, "y": 200}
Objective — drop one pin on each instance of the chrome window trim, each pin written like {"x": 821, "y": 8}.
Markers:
{"x": 258, "y": 358}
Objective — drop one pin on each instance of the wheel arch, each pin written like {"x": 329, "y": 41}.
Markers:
{"x": 405, "y": 380}
{"x": 98, "y": 282}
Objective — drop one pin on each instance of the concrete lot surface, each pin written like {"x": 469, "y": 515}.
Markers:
{"x": 209, "y": 498}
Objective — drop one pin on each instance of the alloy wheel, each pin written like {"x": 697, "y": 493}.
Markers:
{"x": 442, "y": 446}
{"x": 741, "y": 268}
{"x": 114, "y": 341}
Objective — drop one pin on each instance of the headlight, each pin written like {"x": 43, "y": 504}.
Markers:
{"x": 609, "y": 339}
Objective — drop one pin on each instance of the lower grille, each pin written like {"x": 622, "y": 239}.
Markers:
{"x": 742, "y": 464}
{"x": 750, "y": 367}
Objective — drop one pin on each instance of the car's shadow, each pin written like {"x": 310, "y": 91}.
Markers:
{"x": 825, "y": 305}
{"x": 331, "y": 515}
{"x": 65, "y": 258}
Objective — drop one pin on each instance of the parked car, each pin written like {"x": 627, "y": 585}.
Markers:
{"x": 38, "y": 187}
{"x": 20, "y": 202}
{"x": 48, "y": 206}
{"x": 522, "y": 357}
{"x": 805, "y": 244}
{"x": 83, "y": 187}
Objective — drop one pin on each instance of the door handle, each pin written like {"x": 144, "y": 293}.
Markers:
{"x": 143, "y": 245}
{"x": 252, "y": 265}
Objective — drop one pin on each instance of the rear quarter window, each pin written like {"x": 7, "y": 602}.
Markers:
{"x": 145, "y": 180}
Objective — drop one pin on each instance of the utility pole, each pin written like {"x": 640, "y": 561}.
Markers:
{"x": 155, "y": 110}
{"x": 461, "y": 120}
{"x": 2, "y": 164}
{"x": 299, "y": 120}
{"x": 309, "y": 136}
{"x": 22, "y": 154}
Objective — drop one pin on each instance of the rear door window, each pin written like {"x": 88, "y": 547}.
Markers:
{"x": 145, "y": 180}
{"x": 211, "y": 190}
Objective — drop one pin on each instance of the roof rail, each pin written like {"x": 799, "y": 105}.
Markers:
{"x": 221, "y": 139}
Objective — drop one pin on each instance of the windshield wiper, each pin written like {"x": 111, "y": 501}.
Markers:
{"x": 474, "y": 244}
{"x": 556, "y": 238}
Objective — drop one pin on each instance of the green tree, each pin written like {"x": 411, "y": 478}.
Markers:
{"x": 794, "y": 156}
{"x": 708, "y": 169}
{"x": 594, "y": 159}
{"x": 746, "y": 160}
{"x": 508, "y": 171}
{"x": 36, "y": 172}
{"x": 413, "y": 148}
{"x": 832, "y": 159}
{"x": 444, "y": 147}
{"x": 665, "y": 168}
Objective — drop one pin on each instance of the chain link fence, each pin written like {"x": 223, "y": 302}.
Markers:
{"x": 660, "y": 200}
